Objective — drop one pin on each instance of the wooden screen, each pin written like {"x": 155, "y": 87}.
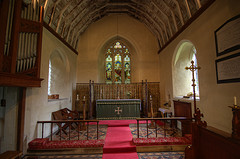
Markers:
{"x": 142, "y": 90}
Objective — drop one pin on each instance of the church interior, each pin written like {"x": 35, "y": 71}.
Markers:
{"x": 120, "y": 79}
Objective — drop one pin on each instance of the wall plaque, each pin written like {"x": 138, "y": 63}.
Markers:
{"x": 227, "y": 36}
{"x": 228, "y": 69}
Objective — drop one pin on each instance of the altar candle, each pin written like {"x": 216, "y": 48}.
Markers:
{"x": 235, "y": 100}
{"x": 84, "y": 98}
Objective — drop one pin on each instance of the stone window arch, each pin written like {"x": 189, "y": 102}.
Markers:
{"x": 58, "y": 74}
{"x": 182, "y": 78}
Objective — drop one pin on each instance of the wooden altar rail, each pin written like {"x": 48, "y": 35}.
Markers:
{"x": 159, "y": 119}
{"x": 69, "y": 122}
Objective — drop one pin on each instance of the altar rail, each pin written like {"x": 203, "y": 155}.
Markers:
{"x": 69, "y": 123}
{"x": 164, "y": 120}
{"x": 94, "y": 91}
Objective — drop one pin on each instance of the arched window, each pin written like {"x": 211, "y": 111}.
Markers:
{"x": 58, "y": 74}
{"x": 182, "y": 78}
{"x": 117, "y": 64}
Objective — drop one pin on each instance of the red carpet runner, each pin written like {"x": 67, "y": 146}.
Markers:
{"x": 118, "y": 141}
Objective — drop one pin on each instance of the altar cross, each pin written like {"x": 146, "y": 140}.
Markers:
{"x": 193, "y": 68}
{"x": 118, "y": 110}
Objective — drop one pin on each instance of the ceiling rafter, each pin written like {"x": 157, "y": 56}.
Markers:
{"x": 152, "y": 18}
{"x": 53, "y": 12}
{"x": 163, "y": 18}
{"x": 179, "y": 12}
{"x": 168, "y": 22}
{"x": 198, "y": 4}
{"x": 71, "y": 13}
{"x": 173, "y": 16}
{"x": 147, "y": 22}
{"x": 187, "y": 8}
{"x": 60, "y": 16}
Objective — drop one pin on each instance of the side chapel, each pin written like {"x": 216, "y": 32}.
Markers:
{"x": 120, "y": 60}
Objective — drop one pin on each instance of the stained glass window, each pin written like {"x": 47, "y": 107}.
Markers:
{"x": 127, "y": 69}
{"x": 108, "y": 69}
{"x": 118, "y": 69}
{"x": 117, "y": 64}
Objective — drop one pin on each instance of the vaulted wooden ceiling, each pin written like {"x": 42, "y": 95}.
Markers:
{"x": 164, "y": 18}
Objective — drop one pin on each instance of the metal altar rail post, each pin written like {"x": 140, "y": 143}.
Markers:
{"x": 155, "y": 119}
{"x": 69, "y": 123}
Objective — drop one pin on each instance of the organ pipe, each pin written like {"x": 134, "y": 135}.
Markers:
{"x": 28, "y": 41}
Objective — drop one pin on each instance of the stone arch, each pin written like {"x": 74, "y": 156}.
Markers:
{"x": 182, "y": 78}
{"x": 101, "y": 57}
{"x": 59, "y": 70}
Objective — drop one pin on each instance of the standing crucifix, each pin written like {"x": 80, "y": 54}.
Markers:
{"x": 193, "y": 68}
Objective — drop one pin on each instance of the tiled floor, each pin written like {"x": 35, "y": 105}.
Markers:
{"x": 148, "y": 155}
{"x": 95, "y": 156}
{"x": 161, "y": 155}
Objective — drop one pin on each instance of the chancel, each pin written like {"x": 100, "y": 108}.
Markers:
{"x": 108, "y": 79}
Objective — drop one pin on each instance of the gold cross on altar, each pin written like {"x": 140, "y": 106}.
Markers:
{"x": 118, "y": 110}
{"x": 193, "y": 68}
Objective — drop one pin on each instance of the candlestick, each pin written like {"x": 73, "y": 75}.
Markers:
{"x": 77, "y": 97}
{"x": 84, "y": 98}
{"x": 235, "y": 100}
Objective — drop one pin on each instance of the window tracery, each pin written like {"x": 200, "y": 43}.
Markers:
{"x": 117, "y": 64}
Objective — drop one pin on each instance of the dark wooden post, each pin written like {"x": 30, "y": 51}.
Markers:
{"x": 39, "y": 44}
{"x": 236, "y": 122}
{"x": 15, "y": 34}
{"x": 146, "y": 99}
{"x": 142, "y": 99}
{"x": 90, "y": 100}
{"x": 21, "y": 117}
{"x": 4, "y": 7}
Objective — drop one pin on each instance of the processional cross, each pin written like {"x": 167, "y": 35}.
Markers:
{"x": 193, "y": 68}
{"x": 118, "y": 110}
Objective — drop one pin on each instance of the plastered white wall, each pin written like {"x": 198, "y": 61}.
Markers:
{"x": 38, "y": 108}
{"x": 144, "y": 48}
{"x": 214, "y": 98}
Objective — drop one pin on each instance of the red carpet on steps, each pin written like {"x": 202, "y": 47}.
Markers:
{"x": 118, "y": 141}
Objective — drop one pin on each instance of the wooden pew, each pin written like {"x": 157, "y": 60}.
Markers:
{"x": 11, "y": 155}
{"x": 211, "y": 143}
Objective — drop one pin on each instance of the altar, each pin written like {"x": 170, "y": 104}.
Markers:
{"x": 118, "y": 108}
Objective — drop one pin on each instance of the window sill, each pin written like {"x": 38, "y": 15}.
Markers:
{"x": 181, "y": 98}
{"x": 60, "y": 99}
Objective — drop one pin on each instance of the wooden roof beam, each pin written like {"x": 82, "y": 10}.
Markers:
{"x": 169, "y": 26}
{"x": 152, "y": 19}
{"x": 173, "y": 16}
{"x": 60, "y": 15}
{"x": 179, "y": 11}
{"x": 198, "y": 4}
{"x": 187, "y": 8}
